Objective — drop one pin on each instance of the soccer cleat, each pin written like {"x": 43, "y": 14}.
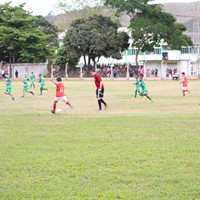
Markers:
{"x": 53, "y": 112}
{"x": 151, "y": 100}
{"x": 99, "y": 110}
{"x": 40, "y": 94}
{"x": 22, "y": 96}
{"x": 32, "y": 93}
{"x": 13, "y": 98}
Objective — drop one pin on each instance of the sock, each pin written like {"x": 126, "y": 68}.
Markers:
{"x": 99, "y": 102}
{"x": 54, "y": 107}
{"x": 41, "y": 91}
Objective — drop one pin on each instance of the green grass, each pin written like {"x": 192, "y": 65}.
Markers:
{"x": 134, "y": 150}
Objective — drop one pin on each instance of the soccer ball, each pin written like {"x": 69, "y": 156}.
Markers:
{"x": 58, "y": 111}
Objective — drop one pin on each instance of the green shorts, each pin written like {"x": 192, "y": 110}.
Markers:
{"x": 144, "y": 92}
{"x": 138, "y": 89}
{"x": 25, "y": 87}
{"x": 41, "y": 86}
{"x": 8, "y": 88}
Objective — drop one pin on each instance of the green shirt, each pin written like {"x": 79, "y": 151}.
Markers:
{"x": 32, "y": 77}
{"x": 8, "y": 81}
{"x": 137, "y": 82}
{"x": 41, "y": 80}
{"x": 144, "y": 88}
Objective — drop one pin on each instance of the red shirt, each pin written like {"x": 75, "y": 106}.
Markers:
{"x": 97, "y": 80}
{"x": 60, "y": 90}
{"x": 185, "y": 81}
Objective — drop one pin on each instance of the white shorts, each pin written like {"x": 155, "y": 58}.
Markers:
{"x": 60, "y": 98}
{"x": 184, "y": 88}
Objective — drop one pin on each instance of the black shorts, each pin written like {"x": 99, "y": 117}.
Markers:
{"x": 101, "y": 93}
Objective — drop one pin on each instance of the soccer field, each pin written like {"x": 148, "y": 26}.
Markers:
{"x": 134, "y": 150}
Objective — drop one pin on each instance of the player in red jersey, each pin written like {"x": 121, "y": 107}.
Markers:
{"x": 99, "y": 89}
{"x": 184, "y": 84}
{"x": 60, "y": 94}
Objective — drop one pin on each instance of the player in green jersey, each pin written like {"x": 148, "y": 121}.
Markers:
{"x": 8, "y": 88}
{"x": 25, "y": 88}
{"x": 32, "y": 77}
{"x": 137, "y": 83}
{"x": 144, "y": 91}
{"x": 42, "y": 83}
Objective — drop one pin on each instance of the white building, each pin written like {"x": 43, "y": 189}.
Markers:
{"x": 37, "y": 68}
{"x": 187, "y": 60}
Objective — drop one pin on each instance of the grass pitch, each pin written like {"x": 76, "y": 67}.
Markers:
{"x": 134, "y": 150}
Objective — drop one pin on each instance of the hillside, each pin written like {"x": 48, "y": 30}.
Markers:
{"x": 184, "y": 12}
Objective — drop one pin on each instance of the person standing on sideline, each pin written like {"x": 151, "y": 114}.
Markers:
{"x": 16, "y": 74}
{"x": 42, "y": 83}
{"x": 32, "y": 77}
{"x": 99, "y": 89}
{"x": 60, "y": 94}
{"x": 25, "y": 89}
{"x": 8, "y": 88}
{"x": 144, "y": 91}
{"x": 184, "y": 84}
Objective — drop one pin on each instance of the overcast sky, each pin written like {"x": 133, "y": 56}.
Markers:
{"x": 43, "y": 7}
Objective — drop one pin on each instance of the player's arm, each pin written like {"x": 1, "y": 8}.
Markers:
{"x": 53, "y": 81}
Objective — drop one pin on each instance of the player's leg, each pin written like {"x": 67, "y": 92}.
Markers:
{"x": 141, "y": 94}
{"x": 23, "y": 93}
{"x": 7, "y": 92}
{"x": 98, "y": 99}
{"x": 101, "y": 95}
{"x": 99, "y": 103}
{"x": 40, "y": 91}
{"x": 30, "y": 92}
{"x": 54, "y": 107}
{"x": 67, "y": 102}
{"x": 42, "y": 88}
{"x": 148, "y": 97}
{"x": 135, "y": 95}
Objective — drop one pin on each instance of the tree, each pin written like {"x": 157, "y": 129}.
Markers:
{"x": 95, "y": 37}
{"x": 63, "y": 57}
{"x": 150, "y": 28}
{"x": 132, "y": 8}
{"x": 23, "y": 37}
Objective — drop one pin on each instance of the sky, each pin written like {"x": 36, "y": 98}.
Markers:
{"x": 43, "y": 7}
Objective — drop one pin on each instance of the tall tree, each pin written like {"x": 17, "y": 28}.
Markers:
{"x": 149, "y": 24}
{"x": 95, "y": 37}
{"x": 132, "y": 8}
{"x": 150, "y": 28}
{"x": 23, "y": 37}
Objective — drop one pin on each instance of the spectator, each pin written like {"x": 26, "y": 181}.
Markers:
{"x": 16, "y": 74}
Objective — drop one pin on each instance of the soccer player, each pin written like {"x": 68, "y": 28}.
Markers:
{"x": 25, "y": 89}
{"x": 32, "y": 77}
{"x": 42, "y": 83}
{"x": 184, "y": 84}
{"x": 137, "y": 83}
{"x": 60, "y": 94}
{"x": 8, "y": 88}
{"x": 99, "y": 89}
{"x": 144, "y": 91}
